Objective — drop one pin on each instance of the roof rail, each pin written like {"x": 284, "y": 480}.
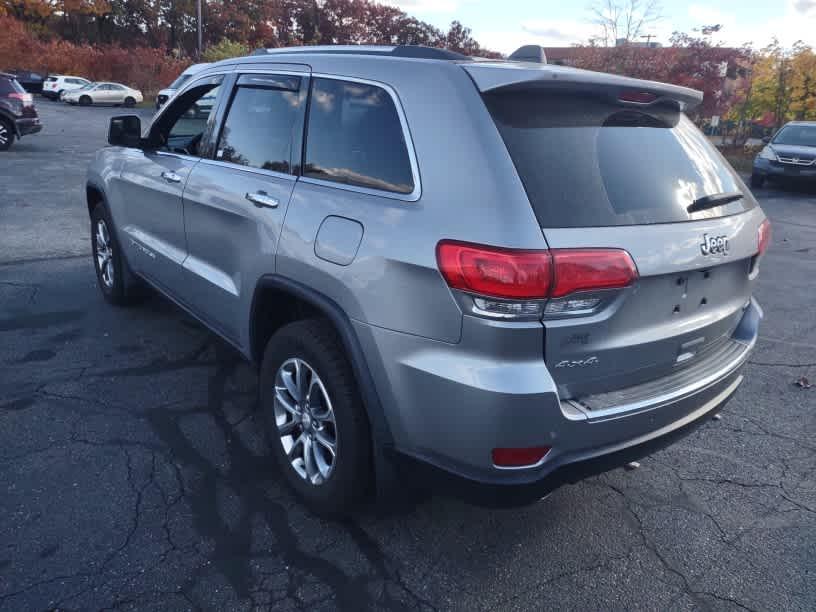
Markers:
{"x": 404, "y": 51}
{"x": 529, "y": 53}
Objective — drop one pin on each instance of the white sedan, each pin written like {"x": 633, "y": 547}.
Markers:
{"x": 104, "y": 93}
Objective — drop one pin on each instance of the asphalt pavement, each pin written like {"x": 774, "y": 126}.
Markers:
{"x": 135, "y": 473}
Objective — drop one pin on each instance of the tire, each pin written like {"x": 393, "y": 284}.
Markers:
{"x": 85, "y": 101}
{"x": 6, "y": 135}
{"x": 315, "y": 345}
{"x": 112, "y": 273}
{"x": 757, "y": 180}
{"x": 59, "y": 94}
{"x": 130, "y": 102}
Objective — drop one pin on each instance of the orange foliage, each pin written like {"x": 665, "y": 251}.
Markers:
{"x": 145, "y": 68}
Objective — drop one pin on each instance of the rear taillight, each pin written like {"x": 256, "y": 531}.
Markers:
{"x": 521, "y": 281}
{"x": 519, "y": 457}
{"x": 763, "y": 237}
{"x": 494, "y": 272}
{"x": 26, "y": 98}
{"x": 591, "y": 269}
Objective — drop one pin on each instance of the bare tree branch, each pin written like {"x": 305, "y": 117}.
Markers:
{"x": 627, "y": 19}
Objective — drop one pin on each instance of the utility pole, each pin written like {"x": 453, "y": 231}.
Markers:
{"x": 198, "y": 20}
{"x": 648, "y": 38}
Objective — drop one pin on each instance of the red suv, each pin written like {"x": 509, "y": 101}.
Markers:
{"x": 18, "y": 116}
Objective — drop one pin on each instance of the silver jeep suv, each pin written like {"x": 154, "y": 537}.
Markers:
{"x": 495, "y": 277}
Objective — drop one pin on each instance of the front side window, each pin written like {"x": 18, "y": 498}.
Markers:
{"x": 181, "y": 127}
{"x": 259, "y": 129}
{"x": 355, "y": 137}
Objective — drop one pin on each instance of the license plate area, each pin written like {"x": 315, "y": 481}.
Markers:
{"x": 696, "y": 290}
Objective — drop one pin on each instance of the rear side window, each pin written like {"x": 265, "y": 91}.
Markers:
{"x": 355, "y": 137}
{"x": 585, "y": 162}
{"x": 259, "y": 128}
{"x": 8, "y": 86}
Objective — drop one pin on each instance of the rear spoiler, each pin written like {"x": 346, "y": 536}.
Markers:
{"x": 492, "y": 77}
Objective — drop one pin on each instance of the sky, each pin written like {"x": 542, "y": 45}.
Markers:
{"x": 505, "y": 25}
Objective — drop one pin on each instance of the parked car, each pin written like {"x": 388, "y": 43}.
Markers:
{"x": 57, "y": 84}
{"x": 790, "y": 154}
{"x": 540, "y": 274}
{"x": 31, "y": 81}
{"x": 167, "y": 93}
{"x": 104, "y": 93}
{"x": 18, "y": 115}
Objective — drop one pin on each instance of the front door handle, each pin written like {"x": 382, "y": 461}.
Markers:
{"x": 261, "y": 199}
{"x": 171, "y": 177}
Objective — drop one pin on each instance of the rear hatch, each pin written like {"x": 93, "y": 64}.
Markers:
{"x": 614, "y": 163}
{"x": 20, "y": 101}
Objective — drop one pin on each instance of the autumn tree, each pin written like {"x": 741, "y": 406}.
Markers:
{"x": 803, "y": 83}
{"x": 772, "y": 87}
{"x": 623, "y": 19}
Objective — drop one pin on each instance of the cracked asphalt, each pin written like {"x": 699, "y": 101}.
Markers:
{"x": 135, "y": 474}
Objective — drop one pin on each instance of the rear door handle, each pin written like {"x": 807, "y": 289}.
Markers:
{"x": 261, "y": 199}
{"x": 171, "y": 177}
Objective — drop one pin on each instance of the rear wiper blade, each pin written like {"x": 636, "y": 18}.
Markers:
{"x": 715, "y": 199}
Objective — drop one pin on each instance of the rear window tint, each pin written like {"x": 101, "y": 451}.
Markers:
{"x": 585, "y": 162}
{"x": 8, "y": 86}
{"x": 355, "y": 137}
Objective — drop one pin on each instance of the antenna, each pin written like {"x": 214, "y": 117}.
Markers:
{"x": 529, "y": 53}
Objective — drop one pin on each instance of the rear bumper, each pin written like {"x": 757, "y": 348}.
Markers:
{"x": 519, "y": 490}
{"x": 770, "y": 169}
{"x": 28, "y": 126}
{"x": 448, "y": 409}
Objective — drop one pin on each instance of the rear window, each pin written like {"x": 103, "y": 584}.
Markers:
{"x": 51, "y": 79}
{"x": 585, "y": 162}
{"x": 8, "y": 86}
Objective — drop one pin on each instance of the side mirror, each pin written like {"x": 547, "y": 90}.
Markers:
{"x": 125, "y": 131}
{"x": 766, "y": 140}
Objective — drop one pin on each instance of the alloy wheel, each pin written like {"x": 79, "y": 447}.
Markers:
{"x": 4, "y": 134}
{"x": 305, "y": 420}
{"x": 104, "y": 254}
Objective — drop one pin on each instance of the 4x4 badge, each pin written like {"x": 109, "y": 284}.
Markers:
{"x": 716, "y": 245}
{"x": 578, "y": 363}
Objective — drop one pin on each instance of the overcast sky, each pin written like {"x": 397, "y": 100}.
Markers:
{"x": 504, "y": 25}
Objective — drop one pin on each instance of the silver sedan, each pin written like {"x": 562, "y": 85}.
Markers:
{"x": 104, "y": 93}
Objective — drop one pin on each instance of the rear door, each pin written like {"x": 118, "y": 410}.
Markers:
{"x": 116, "y": 94}
{"x": 236, "y": 200}
{"x": 102, "y": 94}
{"x": 624, "y": 169}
